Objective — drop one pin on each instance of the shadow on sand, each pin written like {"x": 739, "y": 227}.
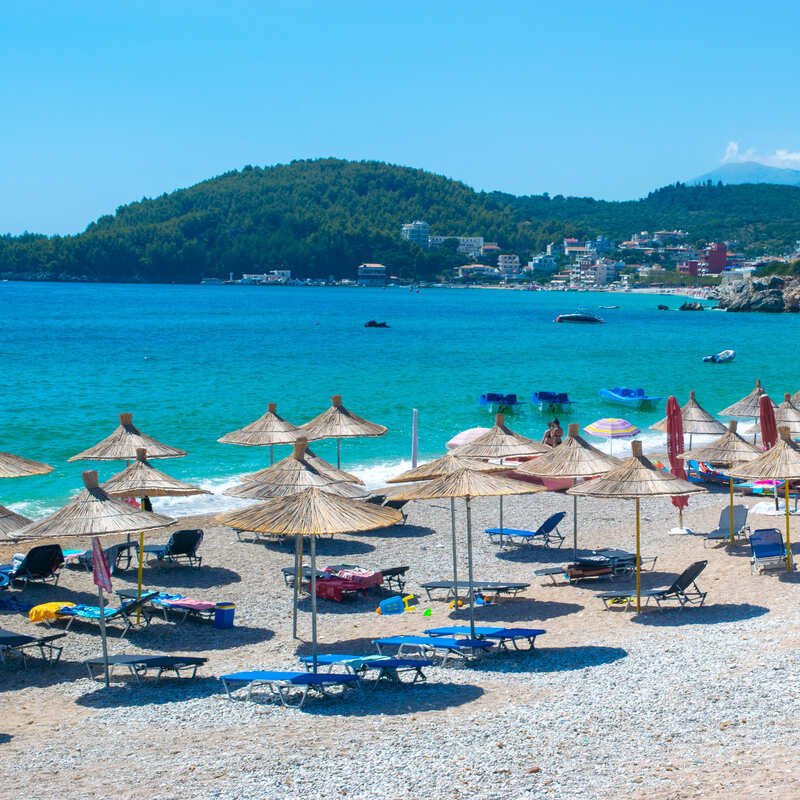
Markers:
{"x": 5, "y": 738}
{"x": 399, "y": 532}
{"x": 518, "y": 610}
{"x": 703, "y": 615}
{"x": 551, "y": 659}
{"x": 184, "y": 577}
{"x": 126, "y": 692}
{"x": 187, "y": 637}
{"x": 325, "y": 547}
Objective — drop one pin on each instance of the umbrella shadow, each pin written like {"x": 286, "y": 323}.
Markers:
{"x": 353, "y": 604}
{"x": 518, "y": 610}
{"x": 358, "y": 646}
{"x": 38, "y": 673}
{"x": 186, "y": 577}
{"x": 393, "y": 700}
{"x": 149, "y": 692}
{"x": 400, "y": 532}
{"x": 325, "y": 547}
{"x": 540, "y": 555}
{"x": 700, "y": 615}
{"x": 552, "y": 659}
{"x": 190, "y": 637}
{"x": 5, "y": 738}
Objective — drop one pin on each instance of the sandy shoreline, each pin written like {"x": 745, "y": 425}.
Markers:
{"x": 688, "y": 703}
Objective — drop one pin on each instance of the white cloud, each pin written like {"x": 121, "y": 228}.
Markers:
{"x": 788, "y": 159}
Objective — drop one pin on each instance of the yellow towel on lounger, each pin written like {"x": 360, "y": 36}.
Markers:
{"x": 46, "y": 611}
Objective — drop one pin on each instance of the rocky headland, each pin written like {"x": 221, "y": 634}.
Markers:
{"x": 772, "y": 294}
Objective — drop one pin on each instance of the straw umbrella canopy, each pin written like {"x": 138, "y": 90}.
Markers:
{"x": 320, "y": 464}
{"x": 92, "y": 512}
{"x": 268, "y": 430}
{"x": 787, "y": 415}
{"x": 729, "y": 449}
{"x": 10, "y": 521}
{"x": 634, "y": 478}
{"x": 141, "y": 479}
{"x": 696, "y": 420}
{"x": 312, "y": 512}
{"x": 339, "y": 423}
{"x": 467, "y": 483}
{"x": 781, "y": 462}
{"x": 573, "y": 458}
{"x": 748, "y": 406}
{"x": 123, "y": 443}
{"x": 12, "y": 466}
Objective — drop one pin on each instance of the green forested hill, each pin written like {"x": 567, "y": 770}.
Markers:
{"x": 324, "y": 217}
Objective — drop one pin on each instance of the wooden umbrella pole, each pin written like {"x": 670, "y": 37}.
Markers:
{"x": 139, "y": 575}
{"x": 314, "y": 601}
{"x": 501, "y": 515}
{"x": 730, "y": 503}
{"x": 574, "y": 527}
{"x": 638, "y": 564}
{"x": 271, "y": 454}
{"x": 298, "y": 578}
{"x": 454, "y": 549}
{"x": 788, "y": 536}
{"x": 469, "y": 569}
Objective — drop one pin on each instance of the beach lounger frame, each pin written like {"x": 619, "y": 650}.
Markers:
{"x": 126, "y": 612}
{"x": 180, "y": 549}
{"x": 499, "y": 588}
{"x": 290, "y": 689}
{"x": 442, "y": 647}
{"x": 388, "y": 668}
{"x": 548, "y": 533}
{"x": 140, "y": 665}
{"x": 41, "y": 563}
{"x": 20, "y": 643}
{"x": 684, "y": 589}
{"x": 501, "y": 636}
{"x": 768, "y": 550}
{"x": 170, "y": 610}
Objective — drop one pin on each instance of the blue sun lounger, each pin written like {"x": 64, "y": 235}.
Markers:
{"x": 502, "y": 636}
{"x": 139, "y": 665}
{"x": 434, "y": 646}
{"x": 290, "y": 689}
{"x": 125, "y": 613}
{"x": 388, "y": 668}
{"x": 548, "y": 533}
{"x": 768, "y": 550}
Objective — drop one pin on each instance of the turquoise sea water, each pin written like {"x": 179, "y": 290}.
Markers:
{"x": 193, "y": 362}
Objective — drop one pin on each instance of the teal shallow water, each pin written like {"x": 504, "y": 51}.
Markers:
{"x": 193, "y": 362}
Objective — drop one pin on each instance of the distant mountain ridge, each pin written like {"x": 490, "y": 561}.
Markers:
{"x": 323, "y": 217}
{"x": 750, "y": 172}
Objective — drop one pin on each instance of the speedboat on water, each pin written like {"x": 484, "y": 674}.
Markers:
{"x": 580, "y": 316}
{"x": 721, "y": 358}
{"x": 552, "y": 402}
{"x": 500, "y": 403}
{"x": 633, "y": 398}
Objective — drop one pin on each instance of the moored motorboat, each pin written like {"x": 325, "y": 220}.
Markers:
{"x": 580, "y": 316}
{"x": 552, "y": 402}
{"x": 723, "y": 357}
{"x": 500, "y": 403}
{"x": 633, "y": 398}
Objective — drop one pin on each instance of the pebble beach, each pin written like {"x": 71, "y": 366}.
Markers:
{"x": 694, "y": 702}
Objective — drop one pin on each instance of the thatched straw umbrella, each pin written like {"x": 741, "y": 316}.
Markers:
{"x": 729, "y": 449}
{"x": 123, "y": 443}
{"x": 573, "y": 458}
{"x": 320, "y": 464}
{"x": 93, "y": 513}
{"x": 446, "y": 465}
{"x": 748, "y": 406}
{"x": 787, "y": 415}
{"x": 339, "y": 423}
{"x": 269, "y": 429}
{"x": 311, "y": 513}
{"x": 501, "y": 442}
{"x": 635, "y": 478}
{"x": 781, "y": 462}
{"x": 467, "y": 483}
{"x": 141, "y": 479}
{"x": 12, "y": 466}
{"x": 696, "y": 420}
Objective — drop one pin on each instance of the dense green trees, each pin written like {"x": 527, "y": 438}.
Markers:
{"x": 323, "y": 217}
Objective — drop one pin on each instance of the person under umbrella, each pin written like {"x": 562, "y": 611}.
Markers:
{"x": 338, "y": 423}
{"x": 633, "y": 479}
{"x": 268, "y": 430}
{"x": 574, "y": 458}
{"x": 311, "y": 513}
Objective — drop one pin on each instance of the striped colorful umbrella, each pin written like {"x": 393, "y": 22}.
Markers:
{"x": 612, "y": 428}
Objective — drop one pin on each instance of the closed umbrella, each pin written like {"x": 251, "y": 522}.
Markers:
{"x": 573, "y": 458}
{"x": 467, "y": 483}
{"x": 729, "y": 449}
{"x": 339, "y": 423}
{"x": 268, "y": 430}
{"x": 446, "y": 465}
{"x": 612, "y": 428}
{"x": 123, "y": 443}
{"x": 696, "y": 421}
{"x": 769, "y": 427}
{"x": 312, "y": 512}
{"x": 781, "y": 462}
{"x": 12, "y": 466}
{"x": 635, "y": 478}
{"x": 674, "y": 449}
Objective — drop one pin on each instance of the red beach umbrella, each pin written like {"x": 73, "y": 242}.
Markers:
{"x": 674, "y": 449}
{"x": 769, "y": 427}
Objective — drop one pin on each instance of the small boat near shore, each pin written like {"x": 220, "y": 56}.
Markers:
{"x": 580, "y": 316}
{"x": 632, "y": 398}
{"x": 498, "y": 403}
{"x": 552, "y": 402}
{"x": 723, "y": 357}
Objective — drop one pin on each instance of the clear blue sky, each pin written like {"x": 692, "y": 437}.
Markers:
{"x": 108, "y": 102}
